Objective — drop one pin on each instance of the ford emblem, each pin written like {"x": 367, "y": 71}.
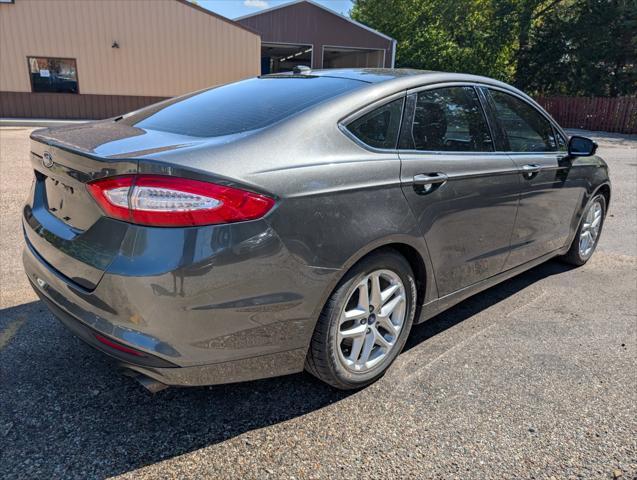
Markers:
{"x": 47, "y": 160}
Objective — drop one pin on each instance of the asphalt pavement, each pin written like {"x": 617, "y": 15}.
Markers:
{"x": 534, "y": 378}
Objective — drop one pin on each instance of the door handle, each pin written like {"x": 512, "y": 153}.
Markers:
{"x": 430, "y": 179}
{"x": 428, "y": 182}
{"x": 531, "y": 168}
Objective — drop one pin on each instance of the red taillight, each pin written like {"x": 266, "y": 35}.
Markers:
{"x": 165, "y": 201}
{"x": 117, "y": 346}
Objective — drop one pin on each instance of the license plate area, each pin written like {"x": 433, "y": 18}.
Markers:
{"x": 67, "y": 199}
{"x": 60, "y": 198}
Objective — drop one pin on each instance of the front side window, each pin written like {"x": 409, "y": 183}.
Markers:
{"x": 526, "y": 129}
{"x": 58, "y": 75}
{"x": 448, "y": 119}
{"x": 379, "y": 128}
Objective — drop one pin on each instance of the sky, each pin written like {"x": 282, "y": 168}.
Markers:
{"x": 238, "y": 8}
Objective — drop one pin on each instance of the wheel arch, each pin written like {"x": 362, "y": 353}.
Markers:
{"x": 417, "y": 264}
{"x": 578, "y": 215}
{"x": 605, "y": 190}
{"x": 413, "y": 250}
{"x": 416, "y": 255}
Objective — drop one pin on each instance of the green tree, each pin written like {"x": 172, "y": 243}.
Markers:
{"x": 459, "y": 35}
{"x": 528, "y": 13}
{"x": 583, "y": 47}
{"x": 587, "y": 47}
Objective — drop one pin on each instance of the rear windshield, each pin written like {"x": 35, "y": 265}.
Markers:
{"x": 240, "y": 107}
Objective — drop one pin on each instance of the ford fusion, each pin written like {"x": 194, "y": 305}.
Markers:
{"x": 296, "y": 221}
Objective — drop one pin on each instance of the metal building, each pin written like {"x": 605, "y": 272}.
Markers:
{"x": 95, "y": 59}
{"x": 306, "y": 33}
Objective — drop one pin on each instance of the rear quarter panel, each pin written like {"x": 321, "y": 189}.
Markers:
{"x": 336, "y": 201}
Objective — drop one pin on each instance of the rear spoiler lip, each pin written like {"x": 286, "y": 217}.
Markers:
{"x": 86, "y": 166}
{"x": 156, "y": 166}
{"x": 132, "y": 156}
{"x": 51, "y": 142}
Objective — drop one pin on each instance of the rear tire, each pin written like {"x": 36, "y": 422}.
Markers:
{"x": 365, "y": 322}
{"x": 588, "y": 233}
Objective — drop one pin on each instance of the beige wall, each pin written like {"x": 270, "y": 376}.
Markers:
{"x": 166, "y": 48}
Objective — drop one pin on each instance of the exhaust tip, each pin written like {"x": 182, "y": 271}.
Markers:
{"x": 150, "y": 384}
{"x": 153, "y": 386}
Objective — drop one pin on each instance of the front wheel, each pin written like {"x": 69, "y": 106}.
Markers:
{"x": 588, "y": 233}
{"x": 365, "y": 323}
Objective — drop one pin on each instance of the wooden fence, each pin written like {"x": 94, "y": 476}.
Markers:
{"x": 604, "y": 114}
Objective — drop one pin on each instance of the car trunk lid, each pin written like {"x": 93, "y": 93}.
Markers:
{"x": 63, "y": 223}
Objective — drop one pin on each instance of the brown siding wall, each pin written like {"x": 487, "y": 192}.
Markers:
{"x": 304, "y": 23}
{"x": 167, "y": 48}
{"x": 69, "y": 106}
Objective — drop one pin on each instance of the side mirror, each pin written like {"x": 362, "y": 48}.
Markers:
{"x": 581, "y": 146}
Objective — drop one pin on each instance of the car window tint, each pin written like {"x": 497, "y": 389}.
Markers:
{"x": 526, "y": 129}
{"x": 239, "y": 107}
{"x": 379, "y": 128}
{"x": 450, "y": 119}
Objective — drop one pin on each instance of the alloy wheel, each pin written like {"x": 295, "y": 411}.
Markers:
{"x": 590, "y": 229}
{"x": 371, "y": 321}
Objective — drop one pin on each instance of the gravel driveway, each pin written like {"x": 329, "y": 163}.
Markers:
{"x": 535, "y": 378}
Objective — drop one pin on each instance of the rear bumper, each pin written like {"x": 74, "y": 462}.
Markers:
{"x": 248, "y": 313}
{"x": 254, "y": 368}
{"x": 90, "y": 335}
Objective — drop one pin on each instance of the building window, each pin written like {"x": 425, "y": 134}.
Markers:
{"x": 57, "y": 75}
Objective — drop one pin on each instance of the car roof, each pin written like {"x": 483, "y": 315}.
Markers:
{"x": 380, "y": 75}
{"x": 383, "y": 82}
{"x": 368, "y": 75}
{"x": 398, "y": 78}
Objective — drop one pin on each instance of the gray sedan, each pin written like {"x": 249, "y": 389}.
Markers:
{"x": 300, "y": 221}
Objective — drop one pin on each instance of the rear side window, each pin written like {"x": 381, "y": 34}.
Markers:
{"x": 379, "y": 128}
{"x": 448, "y": 119}
{"x": 526, "y": 129}
{"x": 241, "y": 106}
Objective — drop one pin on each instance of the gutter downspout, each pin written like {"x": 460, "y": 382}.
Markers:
{"x": 393, "y": 53}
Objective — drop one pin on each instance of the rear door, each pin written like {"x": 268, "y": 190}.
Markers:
{"x": 462, "y": 191}
{"x": 550, "y": 192}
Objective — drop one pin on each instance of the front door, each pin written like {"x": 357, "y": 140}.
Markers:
{"x": 550, "y": 189}
{"x": 463, "y": 193}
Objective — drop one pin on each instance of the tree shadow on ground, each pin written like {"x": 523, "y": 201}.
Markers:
{"x": 66, "y": 412}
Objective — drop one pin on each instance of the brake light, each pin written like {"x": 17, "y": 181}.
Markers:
{"x": 160, "y": 200}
